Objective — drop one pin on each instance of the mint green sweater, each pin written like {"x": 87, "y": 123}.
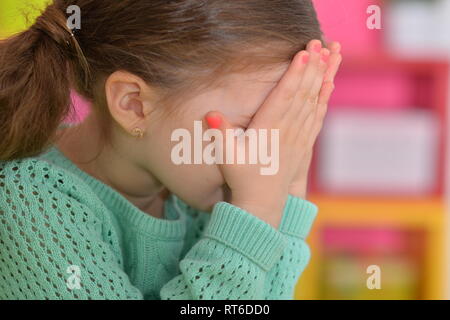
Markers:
{"x": 66, "y": 235}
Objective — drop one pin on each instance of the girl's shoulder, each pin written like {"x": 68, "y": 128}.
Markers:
{"x": 33, "y": 181}
{"x": 33, "y": 171}
{"x": 40, "y": 197}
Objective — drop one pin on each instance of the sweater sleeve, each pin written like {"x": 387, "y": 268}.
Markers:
{"x": 295, "y": 225}
{"x": 231, "y": 260}
{"x": 298, "y": 217}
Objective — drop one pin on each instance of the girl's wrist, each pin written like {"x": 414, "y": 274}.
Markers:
{"x": 271, "y": 216}
{"x": 268, "y": 208}
{"x": 298, "y": 191}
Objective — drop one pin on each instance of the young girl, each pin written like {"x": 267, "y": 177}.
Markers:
{"x": 99, "y": 210}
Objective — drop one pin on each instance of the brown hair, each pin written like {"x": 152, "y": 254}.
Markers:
{"x": 175, "y": 46}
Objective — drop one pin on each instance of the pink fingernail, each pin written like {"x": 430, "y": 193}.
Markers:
{"x": 325, "y": 57}
{"x": 317, "y": 47}
{"x": 305, "y": 58}
{"x": 214, "y": 122}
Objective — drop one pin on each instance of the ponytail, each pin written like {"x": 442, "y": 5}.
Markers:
{"x": 35, "y": 73}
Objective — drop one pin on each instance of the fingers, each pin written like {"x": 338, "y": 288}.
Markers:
{"x": 283, "y": 95}
{"x": 318, "y": 78}
{"x": 309, "y": 108}
{"x": 325, "y": 86}
{"x": 306, "y": 99}
{"x": 328, "y": 84}
{"x": 335, "y": 47}
{"x": 232, "y": 144}
{"x": 217, "y": 120}
{"x": 325, "y": 93}
{"x": 335, "y": 62}
{"x": 295, "y": 84}
{"x": 293, "y": 76}
{"x": 309, "y": 78}
{"x": 322, "y": 107}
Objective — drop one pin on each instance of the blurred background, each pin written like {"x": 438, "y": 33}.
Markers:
{"x": 379, "y": 174}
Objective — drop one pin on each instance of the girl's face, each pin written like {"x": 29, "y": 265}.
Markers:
{"x": 238, "y": 99}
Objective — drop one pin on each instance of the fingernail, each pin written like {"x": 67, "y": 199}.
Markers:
{"x": 305, "y": 58}
{"x": 213, "y": 122}
{"x": 325, "y": 56}
{"x": 317, "y": 47}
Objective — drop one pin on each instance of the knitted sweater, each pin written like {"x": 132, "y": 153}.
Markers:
{"x": 66, "y": 235}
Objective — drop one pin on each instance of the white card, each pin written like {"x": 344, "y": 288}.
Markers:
{"x": 384, "y": 152}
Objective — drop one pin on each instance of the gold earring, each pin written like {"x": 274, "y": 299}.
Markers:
{"x": 138, "y": 132}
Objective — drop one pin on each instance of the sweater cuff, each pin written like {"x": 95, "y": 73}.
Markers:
{"x": 246, "y": 233}
{"x": 298, "y": 217}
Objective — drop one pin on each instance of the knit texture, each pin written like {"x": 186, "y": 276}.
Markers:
{"x": 66, "y": 235}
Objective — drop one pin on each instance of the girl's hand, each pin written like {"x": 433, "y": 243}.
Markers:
{"x": 314, "y": 124}
{"x": 289, "y": 105}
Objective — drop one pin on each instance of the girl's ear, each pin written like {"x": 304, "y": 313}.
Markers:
{"x": 127, "y": 98}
